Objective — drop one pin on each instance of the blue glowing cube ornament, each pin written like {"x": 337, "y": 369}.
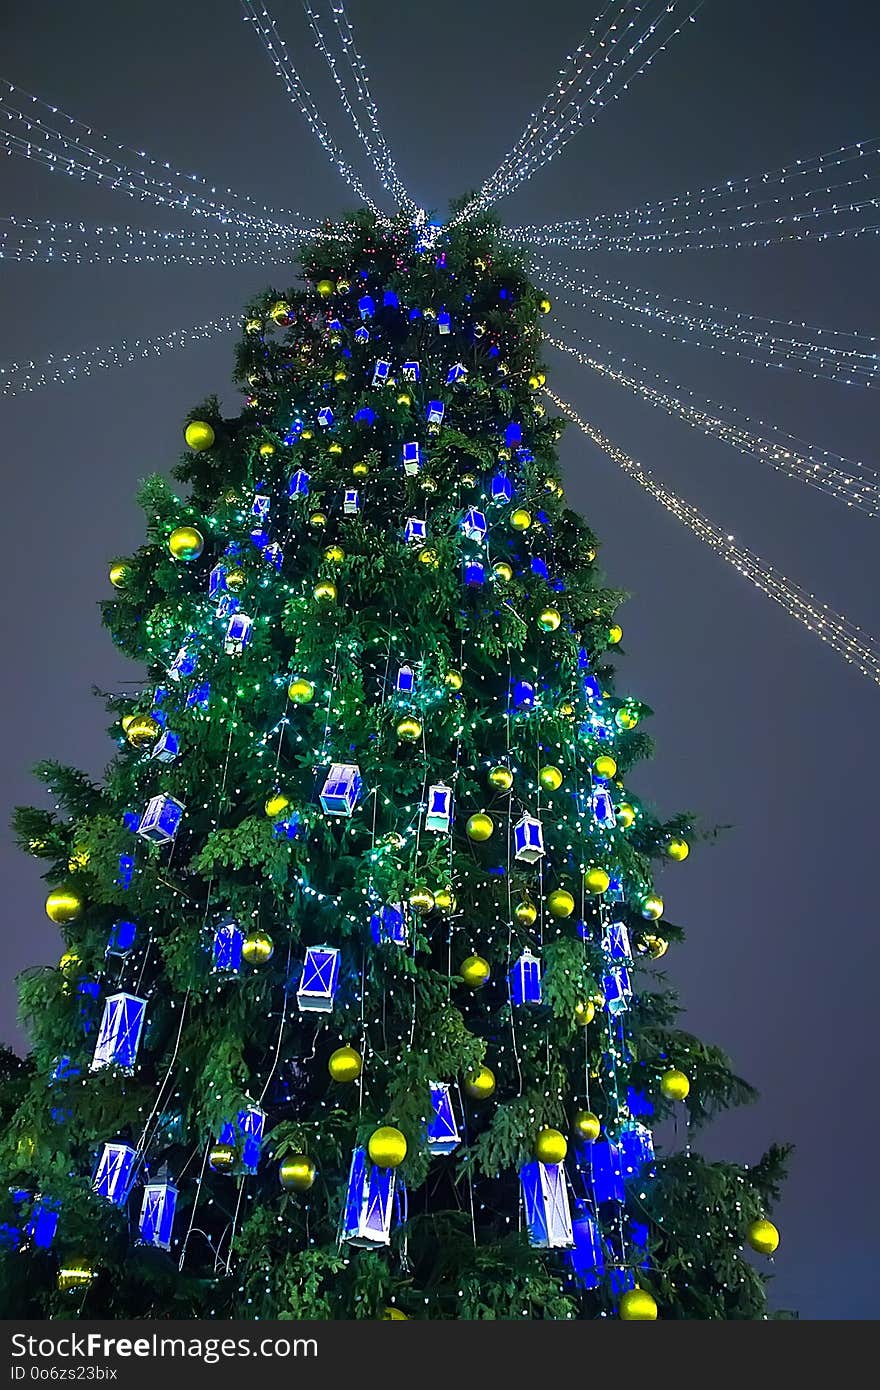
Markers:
{"x": 388, "y": 925}
{"x": 444, "y": 323}
{"x": 443, "y": 1135}
{"x": 522, "y": 695}
{"x": 42, "y": 1225}
{"x": 260, "y": 506}
{"x": 325, "y": 417}
{"x": 299, "y": 484}
{"x": 636, "y": 1147}
{"x": 125, "y": 871}
{"x": 273, "y": 555}
{"x": 217, "y": 581}
{"x": 167, "y": 749}
{"x": 381, "y": 373}
{"x": 412, "y": 458}
{"x": 456, "y": 374}
{"x": 114, "y": 1172}
{"x": 587, "y": 1259}
{"x": 602, "y": 808}
{"x": 245, "y": 1135}
{"x": 412, "y": 371}
{"x": 524, "y": 981}
{"x": 156, "y": 1219}
{"x": 161, "y": 819}
{"x": 502, "y": 489}
{"x": 415, "y": 531}
{"x": 341, "y": 789}
{"x": 351, "y": 502}
{"x": 435, "y": 412}
{"x": 601, "y": 1160}
{"x": 185, "y": 662}
{"x": 226, "y": 947}
{"x": 119, "y": 1035}
{"x": 238, "y": 634}
{"x": 438, "y": 815}
{"x": 528, "y": 839}
{"x": 362, "y": 334}
{"x": 121, "y": 939}
{"x": 319, "y": 980}
{"x": 513, "y": 434}
{"x": 406, "y": 679}
{"x": 369, "y": 1203}
{"x": 200, "y": 696}
{"x": 366, "y": 306}
{"x": 474, "y": 572}
{"x": 617, "y": 990}
{"x": 473, "y": 525}
{"x": 545, "y": 1200}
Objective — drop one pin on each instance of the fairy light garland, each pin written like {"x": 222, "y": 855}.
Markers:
{"x": 806, "y": 463}
{"x": 74, "y": 243}
{"x": 846, "y": 638}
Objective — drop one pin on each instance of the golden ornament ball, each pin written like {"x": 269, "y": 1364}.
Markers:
{"x": 343, "y": 286}
{"x": 566, "y": 709}
{"x": 525, "y": 913}
{"x": 334, "y": 554}
{"x": 475, "y": 971}
{"x": 545, "y": 305}
{"x": 221, "y": 1158}
{"x": 345, "y": 1064}
{"x": 625, "y": 814}
{"x": 626, "y": 719}
{"x": 453, "y": 680}
{"x": 763, "y": 1237}
{"x": 119, "y": 574}
{"x": 235, "y": 581}
{"x": 534, "y": 383}
{"x": 560, "y": 903}
{"x": 360, "y": 469}
{"x": 324, "y": 288}
{"x": 502, "y": 571}
{"x": 275, "y": 804}
{"x": 301, "y": 691}
{"x": 63, "y": 905}
{"x": 258, "y": 948}
{"x": 126, "y": 722}
{"x": 501, "y": 778}
{"x": 637, "y": 1305}
{"x": 587, "y": 1126}
{"x": 480, "y": 1085}
{"x": 428, "y": 556}
{"x": 408, "y": 729}
{"x": 422, "y": 901}
{"x": 325, "y": 591}
{"x": 652, "y": 907}
{"x": 390, "y": 1314}
{"x": 334, "y": 449}
{"x": 549, "y": 619}
{"x": 387, "y": 1147}
{"x": 444, "y": 900}
{"x": 550, "y": 778}
{"x": 678, "y": 850}
{"x": 521, "y": 519}
{"x": 428, "y": 484}
{"x": 468, "y": 480}
{"x": 296, "y": 1173}
{"x": 186, "y": 543}
{"x": 596, "y": 880}
{"x": 584, "y": 1012}
{"x": 674, "y": 1084}
{"x": 280, "y": 313}
{"x": 615, "y": 632}
{"x": 74, "y": 1275}
{"x": 479, "y": 827}
{"x": 253, "y": 326}
{"x": 656, "y": 946}
{"x": 68, "y": 964}
{"x": 550, "y": 1146}
{"x": 340, "y": 375}
{"x": 542, "y": 378}
{"x": 318, "y": 519}
{"x": 404, "y": 398}
{"x": 142, "y": 730}
{"x": 199, "y": 435}
{"x": 605, "y": 766}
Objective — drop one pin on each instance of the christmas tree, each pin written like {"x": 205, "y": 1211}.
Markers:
{"x": 360, "y": 1011}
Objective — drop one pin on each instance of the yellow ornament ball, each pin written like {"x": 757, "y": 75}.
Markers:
{"x": 545, "y": 305}
{"x": 605, "y": 766}
{"x": 652, "y": 907}
{"x": 334, "y": 554}
{"x": 345, "y": 1064}
{"x": 199, "y": 435}
{"x": 221, "y": 1158}
{"x": 280, "y": 313}
{"x": 674, "y": 1084}
{"x": 501, "y": 778}
{"x": 235, "y": 580}
{"x": 502, "y": 571}
{"x": 301, "y": 691}
{"x": 387, "y": 1147}
{"x": 408, "y": 729}
{"x": 453, "y": 680}
{"x": 318, "y": 519}
{"x": 334, "y": 449}
{"x": 587, "y": 1126}
{"x": 550, "y": 1146}
{"x": 343, "y": 286}
{"x": 119, "y": 574}
{"x": 615, "y": 632}
{"x": 626, "y": 719}
{"x": 637, "y": 1305}
{"x": 63, "y": 905}
{"x": 584, "y": 1012}
{"x": 275, "y": 804}
{"x": 445, "y": 900}
{"x": 422, "y": 901}
{"x": 625, "y": 814}
{"x": 678, "y": 850}
{"x": 404, "y": 398}
{"x": 521, "y": 519}
{"x": 360, "y": 469}
{"x": 534, "y": 383}
{"x": 475, "y": 971}
{"x": 324, "y": 288}
{"x": 186, "y": 543}
{"x": 68, "y": 964}
{"x": 428, "y": 556}
{"x": 525, "y": 913}
{"x": 267, "y": 449}
{"x": 550, "y": 778}
{"x": 763, "y": 1237}
{"x": 340, "y": 375}
{"x": 560, "y": 903}
{"x": 656, "y": 946}
{"x": 596, "y": 880}
{"x": 76, "y": 1274}
{"x": 480, "y": 1085}
{"x": 142, "y": 730}
{"x": 325, "y": 591}
{"x": 307, "y": 434}
{"x": 479, "y": 827}
{"x": 549, "y": 619}
{"x": 258, "y": 948}
{"x": 296, "y": 1173}
{"x": 390, "y": 1314}
{"x": 126, "y": 722}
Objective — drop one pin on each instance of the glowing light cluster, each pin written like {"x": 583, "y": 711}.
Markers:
{"x": 27, "y": 241}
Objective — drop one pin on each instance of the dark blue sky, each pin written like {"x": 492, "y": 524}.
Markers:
{"x": 758, "y": 725}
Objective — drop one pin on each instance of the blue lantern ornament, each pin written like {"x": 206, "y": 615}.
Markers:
{"x": 238, "y": 634}
{"x": 273, "y": 555}
{"x": 260, "y": 506}
{"x": 319, "y": 980}
{"x": 586, "y": 1259}
{"x": 200, "y": 696}
{"x": 545, "y": 1199}
{"x": 185, "y": 662}
{"x": 362, "y": 334}
{"x": 456, "y": 374}
{"x": 299, "y": 484}
{"x": 415, "y": 531}
{"x": 522, "y": 695}
{"x": 513, "y": 434}
{"x": 351, "y": 502}
{"x": 406, "y": 680}
{"x": 636, "y": 1147}
{"x": 438, "y": 816}
{"x": 474, "y": 572}
{"x": 119, "y": 1035}
{"x": 161, "y": 819}
{"x": 121, "y": 940}
{"x": 381, "y": 373}
{"x": 412, "y": 458}
{"x": 388, "y": 925}
{"x": 601, "y": 1160}
{"x": 369, "y": 1203}
{"x": 114, "y": 1172}
{"x": 226, "y": 947}
{"x": 217, "y": 581}
{"x": 156, "y": 1218}
{"x": 473, "y": 525}
{"x": 325, "y": 417}
{"x": 412, "y": 371}
{"x": 167, "y": 748}
{"x": 443, "y": 1135}
{"x": 435, "y": 412}
{"x": 524, "y": 981}
{"x": 42, "y": 1225}
{"x": 602, "y": 808}
{"x": 341, "y": 789}
{"x": 125, "y": 871}
{"x": 528, "y": 839}
{"x": 366, "y": 306}
{"x": 245, "y": 1135}
{"x": 502, "y": 489}
{"x": 444, "y": 323}
{"x": 390, "y": 300}
{"x": 617, "y": 990}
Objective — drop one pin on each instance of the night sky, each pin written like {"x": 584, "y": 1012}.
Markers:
{"x": 758, "y": 725}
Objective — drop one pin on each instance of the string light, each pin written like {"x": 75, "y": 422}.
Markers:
{"x": 811, "y": 465}
{"x": 300, "y": 96}
{"x": 823, "y": 357}
{"x": 19, "y": 377}
{"x": 835, "y": 629}
{"x": 548, "y": 133}
{"x": 73, "y": 243}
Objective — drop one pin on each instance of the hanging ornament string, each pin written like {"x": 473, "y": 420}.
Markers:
{"x": 808, "y": 464}
{"x": 849, "y": 641}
